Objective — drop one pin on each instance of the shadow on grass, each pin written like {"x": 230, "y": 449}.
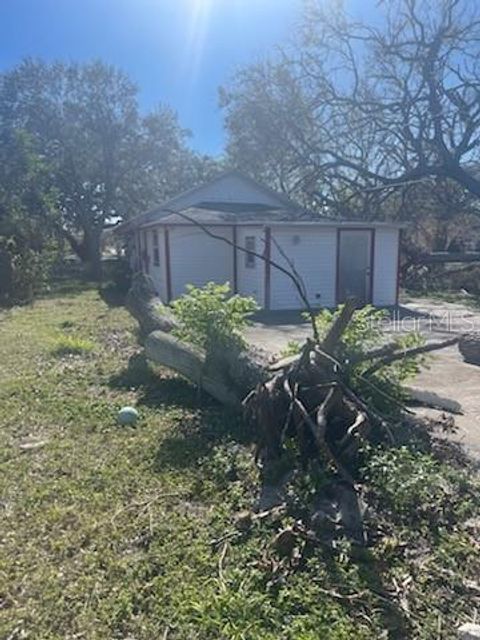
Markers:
{"x": 194, "y": 439}
{"x": 112, "y": 295}
{"x": 202, "y": 423}
{"x": 67, "y": 287}
{"x": 155, "y": 390}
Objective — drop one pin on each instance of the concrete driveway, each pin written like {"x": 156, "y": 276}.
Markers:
{"x": 447, "y": 376}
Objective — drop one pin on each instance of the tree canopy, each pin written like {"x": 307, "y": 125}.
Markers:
{"x": 27, "y": 218}
{"x": 107, "y": 161}
{"x": 352, "y": 111}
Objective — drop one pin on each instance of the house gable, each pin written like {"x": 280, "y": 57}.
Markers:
{"x": 228, "y": 187}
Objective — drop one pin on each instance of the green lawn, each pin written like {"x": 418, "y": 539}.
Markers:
{"x": 106, "y": 530}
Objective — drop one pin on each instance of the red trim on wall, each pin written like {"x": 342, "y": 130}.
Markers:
{"x": 337, "y": 270}
{"x": 372, "y": 263}
{"x": 267, "y": 254}
{"x": 397, "y": 293}
{"x": 168, "y": 269}
{"x": 139, "y": 262}
{"x": 235, "y": 259}
{"x": 146, "y": 256}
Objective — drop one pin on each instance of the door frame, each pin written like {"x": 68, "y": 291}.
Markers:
{"x": 371, "y": 230}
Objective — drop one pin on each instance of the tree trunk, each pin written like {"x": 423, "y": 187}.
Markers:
{"x": 88, "y": 249}
{"x": 226, "y": 374}
{"x": 93, "y": 253}
{"x": 6, "y": 276}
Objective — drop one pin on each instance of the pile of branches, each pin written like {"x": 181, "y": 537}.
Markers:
{"x": 306, "y": 400}
{"x": 309, "y": 397}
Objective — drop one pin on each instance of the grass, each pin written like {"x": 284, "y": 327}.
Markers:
{"x": 107, "y": 530}
{"x": 66, "y": 345}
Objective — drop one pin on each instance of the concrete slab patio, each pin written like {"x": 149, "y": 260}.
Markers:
{"x": 447, "y": 375}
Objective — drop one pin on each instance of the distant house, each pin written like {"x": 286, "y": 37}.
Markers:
{"x": 335, "y": 258}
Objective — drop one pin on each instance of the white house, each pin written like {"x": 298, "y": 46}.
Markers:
{"x": 334, "y": 258}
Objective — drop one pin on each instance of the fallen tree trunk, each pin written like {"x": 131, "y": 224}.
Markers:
{"x": 191, "y": 363}
{"x": 226, "y": 374}
{"x": 147, "y": 308}
{"x": 306, "y": 399}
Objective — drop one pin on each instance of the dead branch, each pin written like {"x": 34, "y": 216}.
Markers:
{"x": 338, "y": 327}
{"x": 410, "y": 353}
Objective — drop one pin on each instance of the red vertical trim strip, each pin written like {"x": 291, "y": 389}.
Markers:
{"x": 168, "y": 269}
{"x": 337, "y": 271}
{"x": 397, "y": 293}
{"x": 268, "y": 251}
{"x": 235, "y": 259}
{"x": 139, "y": 249}
{"x": 146, "y": 256}
{"x": 372, "y": 263}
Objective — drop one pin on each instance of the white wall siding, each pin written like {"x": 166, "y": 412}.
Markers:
{"x": 313, "y": 253}
{"x": 229, "y": 188}
{"x": 385, "y": 266}
{"x": 196, "y": 258}
{"x": 251, "y": 279}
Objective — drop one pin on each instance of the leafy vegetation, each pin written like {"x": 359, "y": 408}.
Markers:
{"x": 383, "y": 388}
{"x": 211, "y": 317}
{"x": 104, "y": 159}
{"x": 72, "y": 345}
{"x": 27, "y": 245}
{"x": 107, "y": 531}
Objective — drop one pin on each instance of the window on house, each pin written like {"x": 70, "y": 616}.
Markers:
{"x": 156, "y": 251}
{"x": 250, "y": 257}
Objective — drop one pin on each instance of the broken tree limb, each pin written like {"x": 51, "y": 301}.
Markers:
{"x": 338, "y": 327}
{"x": 431, "y": 400}
{"x": 227, "y": 374}
{"x": 386, "y": 350}
{"x": 146, "y": 307}
{"x": 410, "y": 353}
{"x": 190, "y": 362}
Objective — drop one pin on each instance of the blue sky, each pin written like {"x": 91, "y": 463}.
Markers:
{"x": 177, "y": 51}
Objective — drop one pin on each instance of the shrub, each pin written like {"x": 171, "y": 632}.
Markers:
{"x": 210, "y": 317}
{"x": 24, "y": 271}
{"x": 413, "y": 487}
{"x": 118, "y": 271}
{"x": 72, "y": 345}
{"x": 384, "y": 388}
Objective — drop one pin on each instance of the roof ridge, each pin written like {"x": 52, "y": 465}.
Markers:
{"x": 170, "y": 203}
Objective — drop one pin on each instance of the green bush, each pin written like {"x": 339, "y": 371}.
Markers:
{"x": 210, "y": 317}
{"x": 414, "y": 488}
{"x": 24, "y": 271}
{"x": 384, "y": 388}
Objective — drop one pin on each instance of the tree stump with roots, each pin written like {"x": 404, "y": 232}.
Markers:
{"x": 306, "y": 399}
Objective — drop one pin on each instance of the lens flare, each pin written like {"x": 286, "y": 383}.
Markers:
{"x": 197, "y": 31}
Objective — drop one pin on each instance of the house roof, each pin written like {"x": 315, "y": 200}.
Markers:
{"x": 176, "y": 202}
{"x": 215, "y": 214}
{"x": 207, "y": 204}
{"x": 248, "y": 216}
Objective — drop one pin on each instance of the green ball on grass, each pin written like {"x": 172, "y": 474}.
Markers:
{"x": 127, "y": 416}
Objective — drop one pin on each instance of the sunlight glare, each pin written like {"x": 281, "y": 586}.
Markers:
{"x": 200, "y": 12}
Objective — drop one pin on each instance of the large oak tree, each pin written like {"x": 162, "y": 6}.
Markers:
{"x": 354, "y": 111}
{"x": 107, "y": 161}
